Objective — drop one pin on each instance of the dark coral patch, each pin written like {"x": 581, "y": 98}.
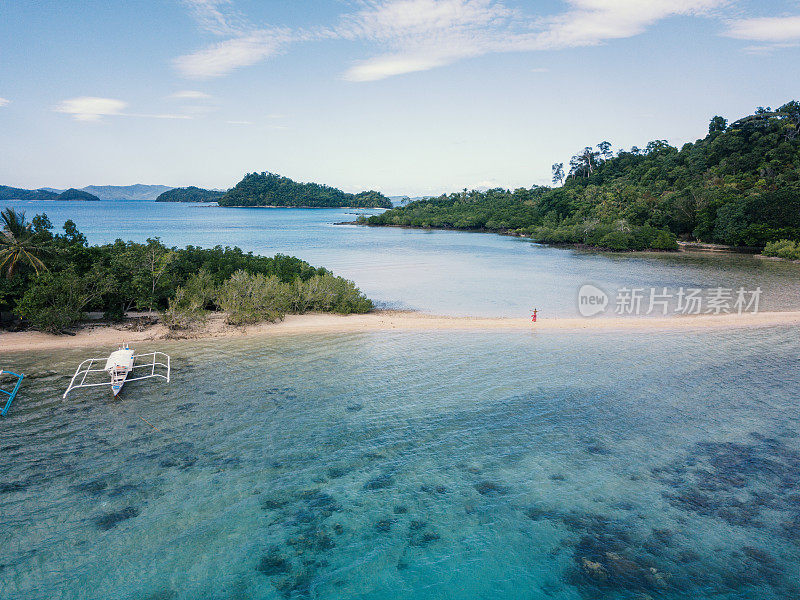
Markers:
{"x": 93, "y": 487}
{"x": 384, "y": 525}
{"x": 272, "y": 564}
{"x": 379, "y": 483}
{"x": 491, "y": 488}
{"x": 110, "y": 520}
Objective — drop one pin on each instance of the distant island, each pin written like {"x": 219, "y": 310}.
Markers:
{"x": 12, "y": 193}
{"x": 190, "y": 194}
{"x": 738, "y": 186}
{"x": 269, "y": 189}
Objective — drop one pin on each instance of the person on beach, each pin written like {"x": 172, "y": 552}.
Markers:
{"x": 533, "y": 316}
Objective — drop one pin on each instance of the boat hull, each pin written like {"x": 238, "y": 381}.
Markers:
{"x": 118, "y": 365}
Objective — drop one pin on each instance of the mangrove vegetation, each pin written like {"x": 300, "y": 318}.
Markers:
{"x": 50, "y": 280}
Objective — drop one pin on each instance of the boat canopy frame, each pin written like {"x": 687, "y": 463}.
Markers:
{"x": 12, "y": 394}
{"x": 85, "y": 368}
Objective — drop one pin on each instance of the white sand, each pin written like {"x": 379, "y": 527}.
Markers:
{"x": 112, "y": 335}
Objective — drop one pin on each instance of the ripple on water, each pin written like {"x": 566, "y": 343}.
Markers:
{"x": 601, "y": 475}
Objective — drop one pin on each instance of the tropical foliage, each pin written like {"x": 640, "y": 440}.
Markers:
{"x": 269, "y": 189}
{"x": 783, "y": 249}
{"x": 20, "y": 245}
{"x": 59, "y": 277}
{"x": 739, "y": 185}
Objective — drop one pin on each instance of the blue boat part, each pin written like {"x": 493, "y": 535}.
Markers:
{"x": 12, "y": 393}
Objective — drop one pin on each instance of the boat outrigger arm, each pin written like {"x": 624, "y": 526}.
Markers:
{"x": 13, "y": 391}
{"x": 122, "y": 366}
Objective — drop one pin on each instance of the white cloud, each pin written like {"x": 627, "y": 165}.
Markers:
{"x": 592, "y": 22}
{"x": 190, "y": 95}
{"x": 776, "y": 30}
{"x": 4, "y": 102}
{"x": 382, "y": 67}
{"x": 418, "y": 35}
{"x": 423, "y": 34}
{"x": 239, "y": 122}
{"x": 224, "y": 57}
{"x": 90, "y": 108}
{"x": 217, "y": 16}
{"x": 540, "y": 70}
{"x": 156, "y": 116}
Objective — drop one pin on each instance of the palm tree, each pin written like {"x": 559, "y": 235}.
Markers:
{"x": 18, "y": 244}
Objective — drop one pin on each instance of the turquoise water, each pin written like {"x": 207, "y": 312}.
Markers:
{"x": 444, "y": 272}
{"x": 413, "y": 465}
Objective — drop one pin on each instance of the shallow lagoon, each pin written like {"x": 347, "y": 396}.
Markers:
{"x": 414, "y": 465}
{"x": 443, "y": 272}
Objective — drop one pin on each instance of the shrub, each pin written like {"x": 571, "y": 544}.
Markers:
{"x": 664, "y": 240}
{"x": 328, "y": 293}
{"x": 247, "y": 298}
{"x": 188, "y": 306}
{"x": 54, "y": 302}
{"x": 783, "y": 249}
{"x": 617, "y": 240}
{"x": 349, "y": 298}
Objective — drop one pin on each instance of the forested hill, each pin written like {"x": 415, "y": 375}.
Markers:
{"x": 11, "y": 193}
{"x": 739, "y": 185}
{"x": 269, "y": 189}
{"x": 190, "y": 194}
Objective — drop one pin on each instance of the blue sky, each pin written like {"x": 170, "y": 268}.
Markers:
{"x": 403, "y": 96}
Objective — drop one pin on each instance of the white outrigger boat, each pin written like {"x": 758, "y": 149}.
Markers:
{"x": 120, "y": 365}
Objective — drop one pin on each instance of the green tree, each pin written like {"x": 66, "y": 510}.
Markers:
{"x": 717, "y": 124}
{"x": 558, "y": 173}
{"x": 19, "y": 245}
{"x": 56, "y": 301}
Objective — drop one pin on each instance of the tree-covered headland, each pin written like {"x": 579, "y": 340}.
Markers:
{"x": 269, "y": 189}
{"x": 189, "y": 194}
{"x": 51, "y": 279}
{"x": 739, "y": 185}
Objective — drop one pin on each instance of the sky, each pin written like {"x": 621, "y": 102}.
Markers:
{"x": 407, "y": 97}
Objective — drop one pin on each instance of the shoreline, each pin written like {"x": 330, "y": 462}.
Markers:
{"x": 111, "y": 335}
{"x": 682, "y": 245}
{"x": 304, "y": 207}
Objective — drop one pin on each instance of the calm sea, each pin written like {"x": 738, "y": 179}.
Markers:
{"x": 441, "y": 465}
{"x": 444, "y": 272}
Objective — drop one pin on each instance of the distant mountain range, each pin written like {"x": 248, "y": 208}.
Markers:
{"x": 137, "y": 191}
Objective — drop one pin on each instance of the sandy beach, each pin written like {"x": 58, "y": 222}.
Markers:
{"x": 104, "y": 335}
